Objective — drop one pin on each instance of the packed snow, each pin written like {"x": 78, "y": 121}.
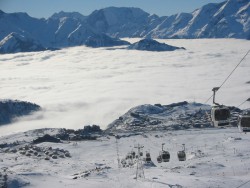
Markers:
{"x": 214, "y": 158}
{"x": 80, "y": 85}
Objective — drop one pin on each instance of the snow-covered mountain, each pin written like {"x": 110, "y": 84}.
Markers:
{"x": 229, "y": 19}
{"x": 62, "y": 14}
{"x": 15, "y": 42}
{"x": 119, "y": 22}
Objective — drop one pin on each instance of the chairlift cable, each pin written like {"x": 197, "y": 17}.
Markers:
{"x": 243, "y": 102}
{"x": 229, "y": 75}
{"x": 243, "y": 184}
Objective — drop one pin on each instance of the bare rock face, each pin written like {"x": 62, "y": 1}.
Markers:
{"x": 104, "y": 41}
{"x": 46, "y": 138}
{"x": 152, "y": 45}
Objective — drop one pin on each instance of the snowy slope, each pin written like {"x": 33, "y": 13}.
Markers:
{"x": 215, "y": 158}
{"x": 60, "y": 30}
{"x": 15, "y": 42}
{"x": 230, "y": 19}
{"x": 176, "y": 116}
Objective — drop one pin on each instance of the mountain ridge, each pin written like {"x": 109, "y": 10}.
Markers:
{"x": 228, "y": 19}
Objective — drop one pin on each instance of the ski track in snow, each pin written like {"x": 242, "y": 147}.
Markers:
{"x": 79, "y": 85}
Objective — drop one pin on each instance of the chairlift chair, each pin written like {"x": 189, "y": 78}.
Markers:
{"x": 219, "y": 114}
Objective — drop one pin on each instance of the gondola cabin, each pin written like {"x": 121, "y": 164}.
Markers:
{"x": 244, "y": 123}
{"x": 165, "y": 156}
{"x": 148, "y": 158}
{"x": 181, "y": 155}
{"x": 159, "y": 159}
{"x": 220, "y": 116}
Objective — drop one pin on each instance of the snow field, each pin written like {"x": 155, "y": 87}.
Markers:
{"x": 215, "y": 158}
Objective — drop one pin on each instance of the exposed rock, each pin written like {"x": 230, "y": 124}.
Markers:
{"x": 104, "y": 41}
{"x": 87, "y": 133}
{"x": 10, "y": 109}
{"x": 46, "y": 138}
{"x": 152, "y": 45}
{"x": 176, "y": 116}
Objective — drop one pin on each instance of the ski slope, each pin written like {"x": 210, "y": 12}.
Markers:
{"x": 215, "y": 158}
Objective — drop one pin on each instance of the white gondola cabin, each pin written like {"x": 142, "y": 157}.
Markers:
{"x": 182, "y": 154}
{"x": 159, "y": 159}
{"x": 165, "y": 155}
{"x": 244, "y": 123}
{"x": 148, "y": 157}
{"x": 220, "y": 115}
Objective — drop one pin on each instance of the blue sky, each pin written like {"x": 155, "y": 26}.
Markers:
{"x": 45, "y": 8}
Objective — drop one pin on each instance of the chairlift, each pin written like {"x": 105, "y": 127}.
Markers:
{"x": 182, "y": 154}
{"x": 219, "y": 114}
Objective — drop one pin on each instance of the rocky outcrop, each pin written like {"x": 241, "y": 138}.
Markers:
{"x": 104, "y": 41}
{"x": 10, "y": 109}
{"x": 152, "y": 45}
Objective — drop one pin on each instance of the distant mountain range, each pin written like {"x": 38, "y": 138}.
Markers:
{"x": 229, "y": 19}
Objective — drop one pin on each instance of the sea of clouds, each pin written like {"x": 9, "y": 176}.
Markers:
{"x": 80, "y": 85}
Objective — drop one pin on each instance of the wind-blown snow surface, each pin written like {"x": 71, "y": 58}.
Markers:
{"x": 215, "y": 158}
{"x": 80, "y": 85}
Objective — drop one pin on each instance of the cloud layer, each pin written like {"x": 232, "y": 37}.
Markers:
{"x": 79, "y": 85}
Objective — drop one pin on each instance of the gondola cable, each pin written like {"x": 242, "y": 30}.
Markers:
{"x": 243, "y": 184}
{"x": 243, "y": 102}
{"x": 229, "y": 75}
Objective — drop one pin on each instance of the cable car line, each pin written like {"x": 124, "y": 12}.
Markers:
{"x": 243, "y": 184}
{"x": 243, "y": 102}
{"x": 229, "y": 75}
